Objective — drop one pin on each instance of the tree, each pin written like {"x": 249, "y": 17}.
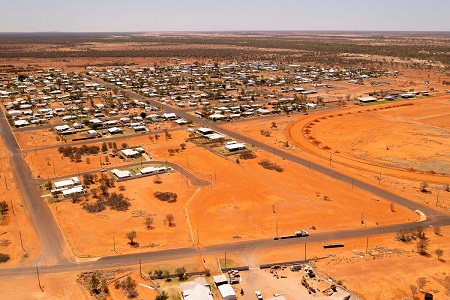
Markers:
{"x": 413, "y": 289}
{"x": 162, "y": 296}
{"x": 439, "y": 252}
{"x": 421, "y": 281}
{"x": 157, "y": 179}
{"x": 170, "y": 218}
{"x": 422, "y": 246}
{"x": 183, "y": 146}
{"x": 148, "y": 222}
{"x": 181, "y": 272}
{"x": 104, "y": 147}
{"x": 88, "y": 160}
{"x": 48, "y": 185}
{"x": 437, "y": 230}
{"x": 94, "y": 282}
{"x": 423, "y": 187}
{"x": 392, "y": 207}
{"x": 104, "y": 189}
{"x": 3, "y": 207}
{"x": 114, "y": 145}
{"x": 124, "y": 145}
{"x": 131, "y": 236}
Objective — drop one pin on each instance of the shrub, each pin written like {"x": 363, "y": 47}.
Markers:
{"x": 267, "y": 164}
{"x": 95, "y": 207}
{"x": 4, "y": 257}
{"x": 247, "y": 155}
{"x": 166, "y": 196}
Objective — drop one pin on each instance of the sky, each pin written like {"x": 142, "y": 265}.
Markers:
{"x": 223, "y": 15}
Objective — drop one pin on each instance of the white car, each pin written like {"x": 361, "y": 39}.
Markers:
{"x": 258, "y": 295}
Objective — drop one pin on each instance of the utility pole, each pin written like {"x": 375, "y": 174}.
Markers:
{"x": 225, "y": 259}
{"x": 140, "y": 267}
{"x": 276, "y": 228}
{"x": 305, "y": 251}
{"x": 198, "y": 237}
{"x": 437, "y": 198}
{"x": 367, "y": 244}
{"x": 352, "y": 182}
{"x": 12, "y": 206}
{"x": 21, "y": 242}
{"x": 114, "y": 245}
{"x": 331, "y": 154}
{"x": 39, "y": 280}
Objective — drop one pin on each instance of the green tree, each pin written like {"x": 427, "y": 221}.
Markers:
{"x": 48, "y": 185}
{"x": 162, "y": 296}
{"x": 131, "y": 236}
{"x": 3, "y": 207}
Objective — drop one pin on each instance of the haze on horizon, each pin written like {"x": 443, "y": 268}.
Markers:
{"x": 231, "y": 15}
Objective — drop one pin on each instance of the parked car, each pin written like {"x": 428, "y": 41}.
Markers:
{"x": 258, "y": 295}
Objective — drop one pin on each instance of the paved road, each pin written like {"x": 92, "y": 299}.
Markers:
{"x": 102, "y": 140}
{"x": 50, "y": 236}
{"x": 52, "y": 240}
{"x": 193, "y": 179}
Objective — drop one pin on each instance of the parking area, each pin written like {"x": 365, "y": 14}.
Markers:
{"x": 274, "y": 283}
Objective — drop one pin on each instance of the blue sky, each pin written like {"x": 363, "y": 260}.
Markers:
{"x": 222, "y": 15}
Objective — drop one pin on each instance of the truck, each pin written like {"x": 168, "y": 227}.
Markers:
{"x": 301, "y": 233}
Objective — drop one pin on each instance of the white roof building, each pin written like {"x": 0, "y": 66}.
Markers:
{"x": 121, "y": 173}
{"x": 19, "y": 123}
{"x": 214, "y": 136}
{"x": 114, "y": 130}
{"x": 66, "y": 183}
{"x": 75, "y": 190}
{"x": 129, "y": 152}
{"x": 198, "y": 289}
{"x": 227, "y": 292}
{"x": 235, "y": 146}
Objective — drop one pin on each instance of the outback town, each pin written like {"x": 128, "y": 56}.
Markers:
{"x": 238, "y": 165}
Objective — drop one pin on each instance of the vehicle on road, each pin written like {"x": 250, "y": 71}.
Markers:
{"x": 302, "y": 233}
{"x": 103, "y": 170}
{"x": 258, "y": 295}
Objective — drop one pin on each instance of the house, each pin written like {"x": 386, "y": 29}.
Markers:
{"x": 66, "y": 183}
{"x": 198, "y": 289}
{"x": 61, "y": 128}
{"x": 215, "y": 117}
{"x": 73, "y": 191}
{"x": 214, "y": 136}
{"x": 170, "y": 116}
{"x": 153, "y": 170}
{"x": 220, "y": 280}
{"x": 205, "y": 130}
{"x": 129, "y": 153}
{"x": 138, "y": 128}
{"x": 78, "y": 125}
{"x": 226, "y": 292}
{"x": 14, "y": 113}
{"x": 120, "y": 174}
{"x": 21, "y": 123}
{"x": 114, "y": 130}
{"x": 366, "y": 99}
{"x": 235, "y": 147}
{"x": 93, "y": 133}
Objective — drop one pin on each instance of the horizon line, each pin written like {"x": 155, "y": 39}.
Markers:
{"x": 228, "y": 31}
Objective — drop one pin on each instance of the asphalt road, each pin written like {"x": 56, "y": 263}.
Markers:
{"x": 53, "y": 242}
{"x": 48, "y": 232}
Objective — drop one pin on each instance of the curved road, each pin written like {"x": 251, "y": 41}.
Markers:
{"x": 53, "y": 243}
